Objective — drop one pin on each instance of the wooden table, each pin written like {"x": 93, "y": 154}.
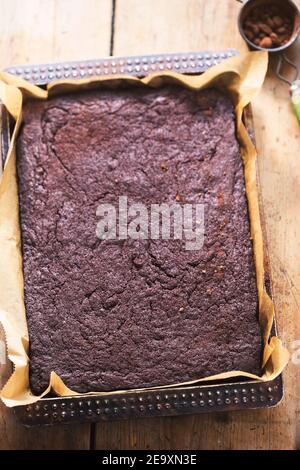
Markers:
{"x": 45, "y": 30}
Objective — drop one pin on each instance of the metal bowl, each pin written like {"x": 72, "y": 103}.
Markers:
{"x": 286, "y": 6}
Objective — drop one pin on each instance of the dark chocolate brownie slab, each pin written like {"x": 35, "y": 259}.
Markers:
{"x": 119, "y": 314}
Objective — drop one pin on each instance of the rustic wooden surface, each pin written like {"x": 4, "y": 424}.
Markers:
{"x": 78, "y": 29}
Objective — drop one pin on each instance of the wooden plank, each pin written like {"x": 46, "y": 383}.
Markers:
{"x": 278, "y": 139}
{"x": 155, "y": 26}
{"x": 177, "y": 25}
{"x": 41, "y": 31}
{"x": 47, "y": 30}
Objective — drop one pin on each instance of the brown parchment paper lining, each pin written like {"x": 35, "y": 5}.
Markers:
{"x": 240, "y": 77}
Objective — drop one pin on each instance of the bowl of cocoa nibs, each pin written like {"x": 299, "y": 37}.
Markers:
{"x": 271, "y": 25}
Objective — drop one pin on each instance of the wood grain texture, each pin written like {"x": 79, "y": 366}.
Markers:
{"x": 48, "y": 30}
{"x": 40, "y": 31}
{"x": 175, "y": 25}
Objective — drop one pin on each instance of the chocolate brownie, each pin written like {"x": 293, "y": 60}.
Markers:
{"x": 125, "y": 313}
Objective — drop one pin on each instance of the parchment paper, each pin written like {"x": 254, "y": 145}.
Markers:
{"x": 240, "y": 77}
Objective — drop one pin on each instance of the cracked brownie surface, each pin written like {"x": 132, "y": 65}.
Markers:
{"x": 119, "y": 314}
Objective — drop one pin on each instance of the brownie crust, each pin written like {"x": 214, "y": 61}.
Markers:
{"x": 121, "y": 314}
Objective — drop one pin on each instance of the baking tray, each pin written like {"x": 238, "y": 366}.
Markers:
{"x": 237, "y": 394}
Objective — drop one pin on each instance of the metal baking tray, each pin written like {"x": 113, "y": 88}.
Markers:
{"x": 237, "y": 394}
